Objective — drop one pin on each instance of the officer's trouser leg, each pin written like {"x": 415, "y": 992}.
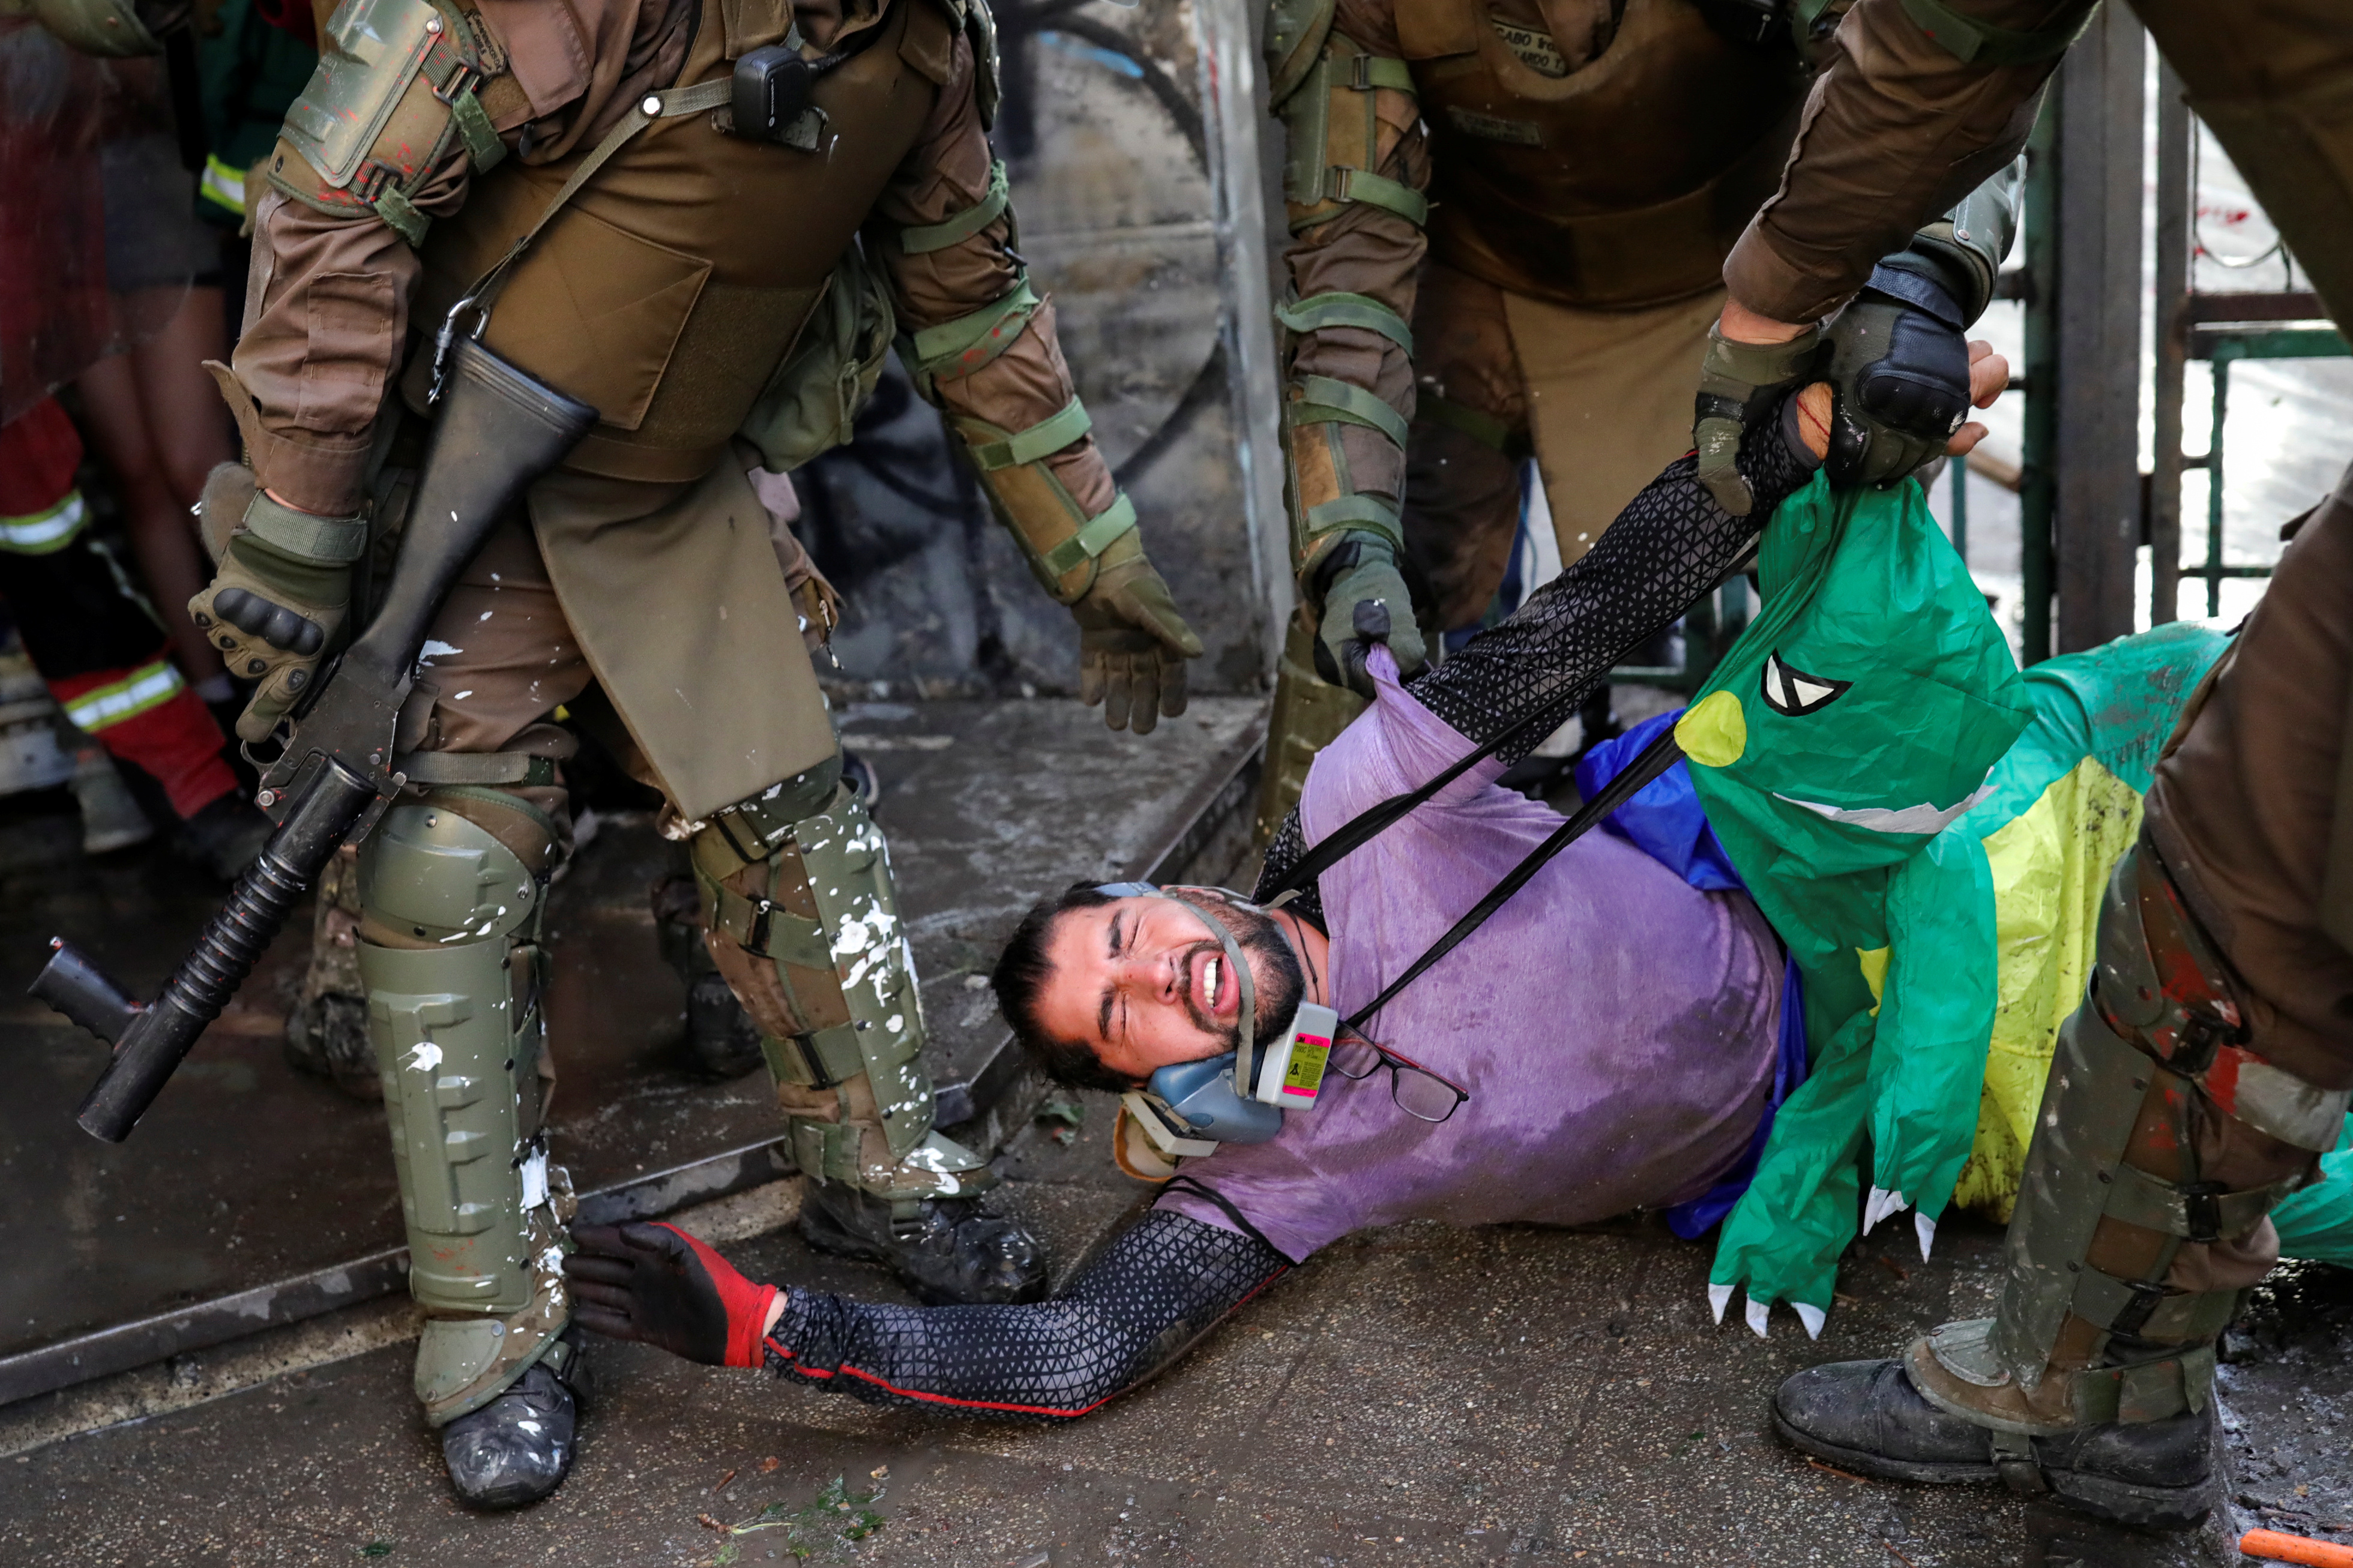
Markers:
{"x": 451, "y": 887}
{"x": 1461, "y": 516}
{"x": 2274, "y": 79}
{"x": 801, "y": 915}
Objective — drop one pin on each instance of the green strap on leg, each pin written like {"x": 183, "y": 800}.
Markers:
{"x": 1484, "y": 429}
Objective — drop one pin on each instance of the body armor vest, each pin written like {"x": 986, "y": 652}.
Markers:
{"x": 675, "y": 280}
{"x": 1623, "y": 183}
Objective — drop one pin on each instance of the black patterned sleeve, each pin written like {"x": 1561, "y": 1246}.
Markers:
{"x": 1672, "y": 544}
{"x": 1158, "y": 1289}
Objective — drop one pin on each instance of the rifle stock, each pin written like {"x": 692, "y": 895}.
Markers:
{"x": 498, "y": 431}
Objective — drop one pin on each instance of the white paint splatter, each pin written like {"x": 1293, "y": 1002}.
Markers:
{"x": 435, "y": 648}
{"x": 424, "y": 1057}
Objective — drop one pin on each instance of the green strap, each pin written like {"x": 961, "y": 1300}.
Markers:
{"x": 320, "y": 540}
{"x": 769, "y": 929}
{"x": 1091, "y": 540}
{"x": 1365, "y": 72}
{"x": 1047, "y": 435}
{"x": 401, "y": 216}
{"x": 1324, "y": 400}
{"x": 953, "y": 350}
{"x": 925, "y": 238}
{"x": 1352, "y": 184}
{"x": 1368, "y": 513}
{"x": 1973, "y": 42}
{"x": 1484, "y": 429}
{"x": 1338, "y": 309}
{"x": 483, "y": 148}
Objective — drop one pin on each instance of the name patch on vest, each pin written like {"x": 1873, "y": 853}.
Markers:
{"x": 1536, "y": 49}
{"x": 1492, "y": 128}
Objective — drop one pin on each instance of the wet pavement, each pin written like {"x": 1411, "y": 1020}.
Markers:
{"x": 1413, "y": 1395}
{"x": 252, "y": 1194}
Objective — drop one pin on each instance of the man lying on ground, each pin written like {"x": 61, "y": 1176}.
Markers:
{"x": 1610, "y": 1039}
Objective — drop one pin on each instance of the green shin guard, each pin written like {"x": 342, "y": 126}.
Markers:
{"x": 1309, "y": 714}
{"x": 844, "y": 1032}
{"x": 459, "y": 1036}
{"x": 2073, "y": 1344}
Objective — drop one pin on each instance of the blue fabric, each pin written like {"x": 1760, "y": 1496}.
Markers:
{"x": 1666, "y": 821}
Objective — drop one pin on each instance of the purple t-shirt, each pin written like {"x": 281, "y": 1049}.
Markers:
{"x": 1615, "y": 1027}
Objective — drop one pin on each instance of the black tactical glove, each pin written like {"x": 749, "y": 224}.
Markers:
{"x": 657, "y": 1285}
{"x": 1899, "y": 372}
{"x": 1365, "y": 601}
{"x": 276, "y": 605}
{"x": 1740, "y": 383}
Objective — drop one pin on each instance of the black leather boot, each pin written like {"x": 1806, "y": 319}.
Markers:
{"x": 722, "y": 1041}
{"x": 1866, "y": 1417}
{"x": 947, "y": 1250}
{"x": 517, "y": 1449}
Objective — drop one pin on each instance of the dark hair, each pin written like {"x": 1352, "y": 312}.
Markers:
{"x": 1020, "y": 979}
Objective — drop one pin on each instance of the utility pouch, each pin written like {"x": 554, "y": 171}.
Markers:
{"x": 812, "y": 400}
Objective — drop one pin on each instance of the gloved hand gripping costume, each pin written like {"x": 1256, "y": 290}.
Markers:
{"x": 416, "y": 165}
{"x": 1896, "y": 356}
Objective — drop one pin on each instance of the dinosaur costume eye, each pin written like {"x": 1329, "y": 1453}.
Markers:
{"x": 1790, "y": 691}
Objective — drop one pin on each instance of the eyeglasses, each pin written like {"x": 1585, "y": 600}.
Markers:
{"x": 1418, "y": 1091}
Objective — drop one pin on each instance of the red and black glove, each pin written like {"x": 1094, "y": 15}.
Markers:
{"x": 659, "y": 1285}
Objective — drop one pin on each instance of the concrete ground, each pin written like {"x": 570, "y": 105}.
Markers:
{"x": 1414, "y": 1396}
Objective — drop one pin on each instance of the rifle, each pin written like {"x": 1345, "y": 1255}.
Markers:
{"x": 498, "y": 431}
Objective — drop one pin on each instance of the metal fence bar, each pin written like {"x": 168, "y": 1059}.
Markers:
{"x": 2225, "y": 346}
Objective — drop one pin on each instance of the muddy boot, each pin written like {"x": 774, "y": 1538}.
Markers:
{"x": 1866, "y": 1417}
{"x": 946, "y": 1249}
{"x": 518, "y": 1448}
{"x": 2163, "y": 1144}
{"x": 801, "y": 915}
{"x": 722, "y": 1041}
{"x": 327, "y": 1027}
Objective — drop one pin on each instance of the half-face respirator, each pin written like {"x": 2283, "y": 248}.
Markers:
{"x": 1185, "y": 1110}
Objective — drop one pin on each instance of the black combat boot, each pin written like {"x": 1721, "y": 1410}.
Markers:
{"x": 722, "y": 1041}
{"x": 518, "y": 1448}
{"x": 947, "y": 1250}
{"x": 1866, "y": 1417}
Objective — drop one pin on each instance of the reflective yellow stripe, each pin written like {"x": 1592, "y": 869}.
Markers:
{"x": 37, "y": 533}
{"x": 223, "y": 184}
{"x": 143, "y": 688}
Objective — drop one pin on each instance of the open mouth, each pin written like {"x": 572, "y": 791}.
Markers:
{"x": 1209, "y": 982}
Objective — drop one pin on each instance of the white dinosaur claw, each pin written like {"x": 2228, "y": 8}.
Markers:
{"x": 1756, "y": 1315}
{"x": 1926, "y": 1228}
{"x": 1874, "y": 1208}
{"x": 1812, "y": 1317}
{"x": 1718, "y": 1296}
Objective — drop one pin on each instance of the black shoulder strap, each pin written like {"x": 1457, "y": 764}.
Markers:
{"x": 1367, "y": 825}
{"x": 1656, "y": 758}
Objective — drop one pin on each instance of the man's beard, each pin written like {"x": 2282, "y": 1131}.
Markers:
{"x": 1275, "y": 973}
